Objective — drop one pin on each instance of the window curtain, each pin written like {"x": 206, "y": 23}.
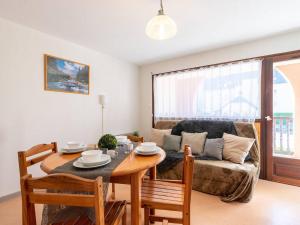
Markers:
{"x": 224, "y": 92}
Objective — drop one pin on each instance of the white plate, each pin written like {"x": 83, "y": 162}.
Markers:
{"x": 82, "y": 166}
{"x": 141, "y": 150}
{"x": 73, "y": 151}
{"x": 147, "y": 153}
{"x": 104, "y": 158}
{"x": 66, "y": 148}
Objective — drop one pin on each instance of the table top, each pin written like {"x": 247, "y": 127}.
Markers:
{"x": 131, "y": 164}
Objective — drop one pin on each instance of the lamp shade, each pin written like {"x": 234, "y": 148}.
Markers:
{"x": 102, "y": 100}
{"x": 161, "y": 27}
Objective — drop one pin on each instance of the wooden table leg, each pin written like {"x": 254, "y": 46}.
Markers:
{"x": 152, "y": 173}
{"x": 152, "y": 177}
{"x": 136, "y": 182}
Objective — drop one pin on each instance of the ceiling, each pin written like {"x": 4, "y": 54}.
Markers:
{"x": 117, "y": 27}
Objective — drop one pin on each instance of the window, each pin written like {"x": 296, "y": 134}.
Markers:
{"x": 225, "y": 92}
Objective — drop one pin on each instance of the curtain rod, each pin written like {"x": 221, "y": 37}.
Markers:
{"x": 263, "y": 57}
{"x": 208, "y": 66}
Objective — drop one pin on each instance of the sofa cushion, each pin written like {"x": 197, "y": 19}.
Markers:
{"x": 236, "y": 148}
{"x": 195, "y": 140}
{"x": 172, "y": 142}
{"x": 157, "y": 136}
{"x": 213, "y": 148}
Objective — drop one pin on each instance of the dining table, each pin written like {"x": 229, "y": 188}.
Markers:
{"x": 130, "y": 171}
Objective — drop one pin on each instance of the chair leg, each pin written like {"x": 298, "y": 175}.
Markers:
{"x": 146, "y": 215}
{"x": 152, "y": 212}
{"x": 124, "y": 217}
{"x": 186, "y": 218}
{"x": 113, "y": 191}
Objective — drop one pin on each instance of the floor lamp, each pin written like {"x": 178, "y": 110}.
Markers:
{"x": 102, "y": 102}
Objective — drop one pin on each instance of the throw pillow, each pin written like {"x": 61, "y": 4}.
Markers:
{"x": 195, "y": 140}
{"x": 213, "y": 148}
{"x": 172, "y": 142}
{"x": 157, "y": 136}
{"x": 236, "y": 148}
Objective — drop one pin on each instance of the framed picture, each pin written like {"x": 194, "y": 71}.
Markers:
{"x": 66, "y": 76}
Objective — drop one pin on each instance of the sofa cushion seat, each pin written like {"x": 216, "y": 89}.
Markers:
{"x": 221, "y": 178}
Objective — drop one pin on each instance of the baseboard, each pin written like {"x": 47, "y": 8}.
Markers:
{"x": 10, "y": 196}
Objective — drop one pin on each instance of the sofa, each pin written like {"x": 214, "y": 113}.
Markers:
{"x": 230, "y": 181}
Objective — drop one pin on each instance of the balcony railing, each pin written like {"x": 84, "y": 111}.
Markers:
{"x": 283, "y": 135}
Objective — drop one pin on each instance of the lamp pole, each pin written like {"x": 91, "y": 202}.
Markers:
{"x": 102, "y": 122}
{"x": 102, "y": 102}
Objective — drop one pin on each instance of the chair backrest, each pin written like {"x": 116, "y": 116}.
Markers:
{"x": 35, "y": 154}
{"x": 60, "y": 184}
{"x": 187, "y": 176}
{"x": 135, "y": 138}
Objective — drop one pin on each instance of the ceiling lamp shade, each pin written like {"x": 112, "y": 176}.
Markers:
{"x": 161, "y": 27}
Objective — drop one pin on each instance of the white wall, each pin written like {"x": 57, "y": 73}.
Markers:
{"x": 29, "y": 115}
{"x": 272, "y": 45}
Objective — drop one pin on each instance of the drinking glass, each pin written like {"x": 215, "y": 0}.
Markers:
{"x": 129, "y": 148}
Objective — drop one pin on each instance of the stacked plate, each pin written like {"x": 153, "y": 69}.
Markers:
{"x": 122, "y": 140}
{"x": 74, "y": 147}
{"x": 147, "y": 148}
{"x": 92, "y": 159}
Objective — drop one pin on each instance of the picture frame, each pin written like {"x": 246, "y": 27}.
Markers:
{"x": 63, "y": 75}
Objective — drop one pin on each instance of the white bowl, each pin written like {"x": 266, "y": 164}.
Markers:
{"x": 73, "y": 144}
{"x": 148, "y": 146}
{"x": 91, "y": 155}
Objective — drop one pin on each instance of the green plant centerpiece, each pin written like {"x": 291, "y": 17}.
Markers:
{"x": 136, "y": 133}
{"x": 108, "y": 141}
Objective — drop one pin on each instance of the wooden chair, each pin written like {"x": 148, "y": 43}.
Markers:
{"x": 170, "y": 195}
{"x": 114, "y": 212}
{"x": 36, "y": 154}
{"x": 133, "y": 139}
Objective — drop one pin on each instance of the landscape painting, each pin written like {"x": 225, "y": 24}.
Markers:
{"x": 66, "y": 76}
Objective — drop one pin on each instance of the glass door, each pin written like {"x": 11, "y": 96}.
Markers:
{"x": 283, "y": 120}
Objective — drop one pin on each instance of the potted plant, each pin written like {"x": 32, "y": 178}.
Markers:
{"x": 136, "y": 134}
{"x": 108, "y": 141}
{"x": 135, "y": 137}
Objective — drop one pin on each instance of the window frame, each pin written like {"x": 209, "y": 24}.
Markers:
{"x": 264, "y": 61}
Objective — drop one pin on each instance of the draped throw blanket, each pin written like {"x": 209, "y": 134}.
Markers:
{"x": 233, "y": 182}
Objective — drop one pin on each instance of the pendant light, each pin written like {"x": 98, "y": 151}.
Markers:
{"x": 161, "y": 27}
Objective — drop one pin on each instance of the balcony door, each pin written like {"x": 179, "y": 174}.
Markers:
{"x": 282, "y": 118}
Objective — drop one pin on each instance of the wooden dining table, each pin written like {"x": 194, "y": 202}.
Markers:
{"x": 130, "y": 171}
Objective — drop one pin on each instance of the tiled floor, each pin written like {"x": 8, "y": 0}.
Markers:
{"x": 272, "y": 204}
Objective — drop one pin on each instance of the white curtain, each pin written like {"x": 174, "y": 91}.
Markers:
{"x": 224, "y": 92}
